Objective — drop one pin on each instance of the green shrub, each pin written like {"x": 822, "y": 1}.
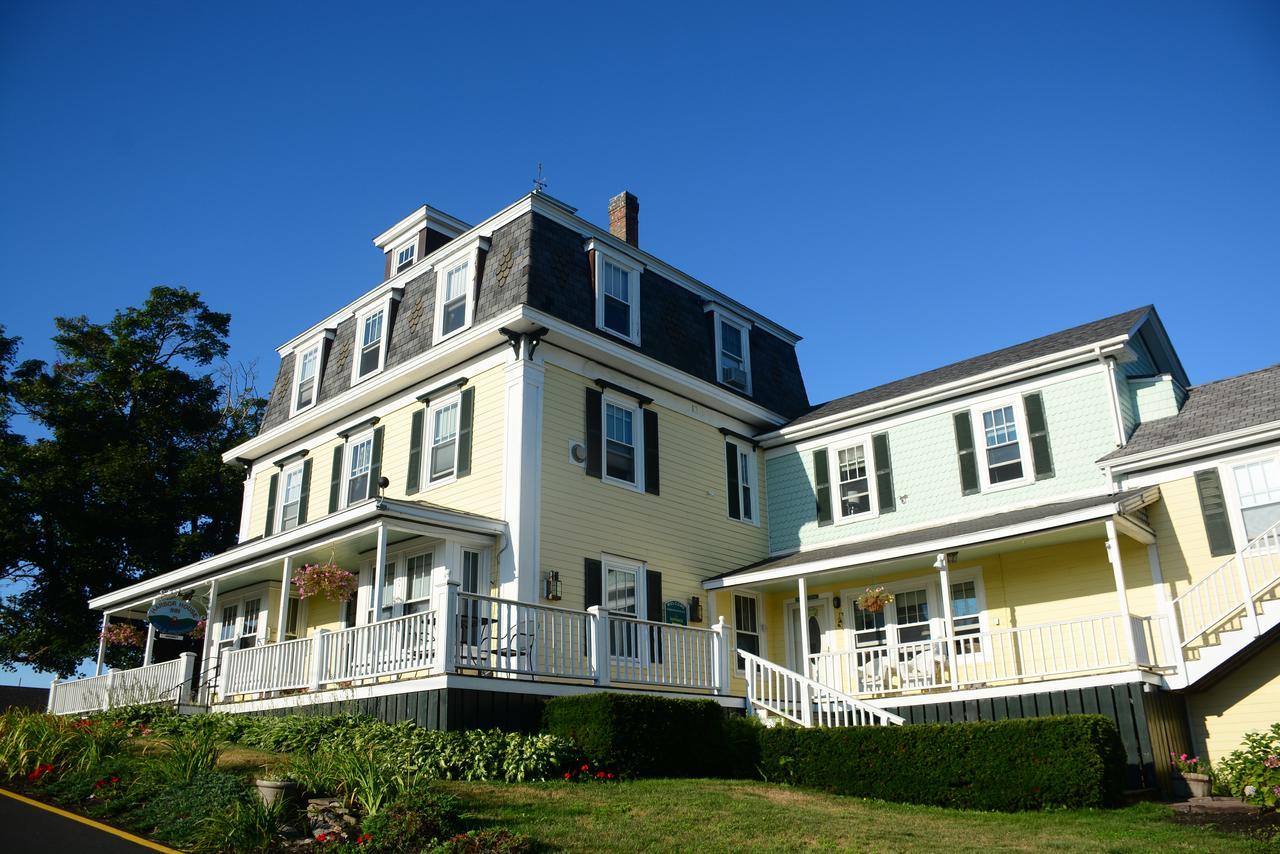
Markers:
{"x": 172, "y": 811}
{"x": 1029, "y": 763}
{"x": 192, "y": 752}
{"x": 414, "y": 820}
{"x": 742, "y": 735}
{"x": 642, "y": 736}
{"x": 1252, "y": 773}
{"x": 250, "y": 825}
{"x": 492, "y": 841}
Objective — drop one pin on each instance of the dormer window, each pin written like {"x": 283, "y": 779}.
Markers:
{"x": 733, "y": 351}
{"x": 617, "y": 294}
{"x": 453, "y": 308}
{"x": 406, "y": 255}
{"x": 306, "y": 373}
{"x": 456, "y": 290}
{"x": 371, "y": 329}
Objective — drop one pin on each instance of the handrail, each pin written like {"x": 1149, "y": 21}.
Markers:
{"x": 801, "y": 699}
{"x": 1230, "y": 588}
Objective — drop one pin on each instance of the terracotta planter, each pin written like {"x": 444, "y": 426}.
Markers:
{"x": 1198, "y": 784}
{"x": 277, "y": 790}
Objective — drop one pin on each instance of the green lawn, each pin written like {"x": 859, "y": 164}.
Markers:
{"x": 718, "y": 815}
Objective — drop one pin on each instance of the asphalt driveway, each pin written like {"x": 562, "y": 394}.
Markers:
{"x": 33, "y": 828}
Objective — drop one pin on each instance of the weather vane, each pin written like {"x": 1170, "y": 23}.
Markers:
{"x": 539, "y": 183}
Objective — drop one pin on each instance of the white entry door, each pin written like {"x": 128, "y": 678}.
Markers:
{"x": 818, "y": 615}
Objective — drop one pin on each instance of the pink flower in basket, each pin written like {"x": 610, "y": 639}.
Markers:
{"x": 123, "y": 634}
{"x": 325, "y": 579}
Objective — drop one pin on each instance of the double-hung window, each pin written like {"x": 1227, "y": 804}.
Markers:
{"x": 855, "y": 487}
{"x": 418, "y": 583}
{"x": 369, "y": 337}
{"x": 966, "y": 616}
{"x": 443, "y": 458}
{"x": 406, "y": 255}
{"x": 868, "y": 627}
{"x": 623, "y": 596}
{"x": 735, "y": 369}
{"x": 291, "y": 498}
{"x": 746, "y": 481}
{"x": 359, "y": 462}
{"x": 1258, "y": 487}
{"x": 617, "y": 299}
{"x": 1001, "y": 444}
{"x": 740, "y": 463}
{"x": 454, "y": 303}
{"x": 617, "y": 294}
{"x": 746, "y": 625}
{"x": 620, "y": 457}
{"x": 308, "y": 374}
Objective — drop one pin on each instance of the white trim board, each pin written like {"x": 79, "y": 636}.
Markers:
{"x": 1123, "y": 677}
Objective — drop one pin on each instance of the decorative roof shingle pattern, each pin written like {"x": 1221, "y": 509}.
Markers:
{"x": 1211, "y": 409}
{"x": 1068, "y": 339}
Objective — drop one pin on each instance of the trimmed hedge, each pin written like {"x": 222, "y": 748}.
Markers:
{"x": 641, "y": 736}
{"x": 1021, "y": 764}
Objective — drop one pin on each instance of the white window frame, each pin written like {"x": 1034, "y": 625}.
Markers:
{"x": 744, "y": 328}
{"x": 471, "y": 258}
{"x": 1231, "y": 491}
{"x": 284, "y": 491}
{"x": 637, "y": 436}
{"x": 744, "y": 449}
{"x": 429, "y": 435}
{"x": 739, "y": 665}
{"x": 974, "y": 574}
{"x": 383, "y": 305}
{"x": 980, "y": 442}
{"x": 641, "y": 638}
{"x": 316, "y": 345}
{"x": 351, "y": 445}
{"x": 412, "y": 245}
{"x": 932, "y": 584}
{"x": 239, "y": 599}
{"x": 833, "y": 479}
{"x": 633, "y": 270}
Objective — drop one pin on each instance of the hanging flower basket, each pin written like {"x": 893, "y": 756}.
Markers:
{"x": 325, "y": 579}
{"x": 198, "y": 632}
{"x": 874, "y": 600}
{"x": 123, "y": 634}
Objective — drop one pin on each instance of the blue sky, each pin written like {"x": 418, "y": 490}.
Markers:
{"x": 904, "y": 184}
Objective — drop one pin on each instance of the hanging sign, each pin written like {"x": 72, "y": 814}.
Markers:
{"x": 173, "y": 615}
{"x": 676, "y": 613}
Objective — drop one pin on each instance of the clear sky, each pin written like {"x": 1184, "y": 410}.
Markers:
{"x": 903, "y": 184}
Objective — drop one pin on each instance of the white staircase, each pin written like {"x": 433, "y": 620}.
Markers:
{"x": 774, "y": 690}
{"x": 1225, "y": 611}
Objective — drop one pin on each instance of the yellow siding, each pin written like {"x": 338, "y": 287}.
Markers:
{"x": 685, "y": 532}
{"x": 1246, "y": 700}
{"x": 323, "y": 614}
{"x": 1180, "y": 535}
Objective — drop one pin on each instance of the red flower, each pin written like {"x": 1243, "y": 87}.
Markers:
{"x": 363, "y": 838}
{"x": 117, "y": 779}
{"x": 586, "y": 767}
{"x": 610, "y": 775}
{"x": 321, "y": 837}
{"x": 599, "y": 775}
{"x": 568, "y": 776}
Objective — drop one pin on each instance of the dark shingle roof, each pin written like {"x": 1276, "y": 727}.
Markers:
{"x": 1224, "y": 406}
{"x": 923, "y": 536}
{"x": 1068, "y": 339}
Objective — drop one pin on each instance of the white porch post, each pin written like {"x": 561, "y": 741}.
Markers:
{"x": 206, "y": 653}
{"x": 102, "y": 644}
{"x": 948, "y": 618}
{"x": 183, "y": 689}
{"x": 148, "y": 650}
{"x": 1172, "y": 634}
{"x": 720, "y": 650}
{"x": 379, "y": 571}
{"x": 522, "y": 475}
{"x": 600, "y": 644}
{"x": 1122, "y": 597}
{"x": 444, "y": 596}
{"x": 803, "y": 616}
{"x": 285, "y": 580}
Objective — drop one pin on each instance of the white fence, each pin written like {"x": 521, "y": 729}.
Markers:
{"x": 167, "y": 682}
{"x": 270, "y": 667}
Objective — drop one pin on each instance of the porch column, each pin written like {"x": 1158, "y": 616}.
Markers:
{"x": 206, "y": 664}
{"x": 1172, "y": 634}
{"x": 1122, "y": 597}
{"x": 286, "y": 578}
{"x": 803, "y": 617}
{"x": 379, "y": 570}
{"x": 151, "y": 642}
{"x": 948, "y": 618}
{"x": 102, "y": 643}
{"x": 522, "y": 473}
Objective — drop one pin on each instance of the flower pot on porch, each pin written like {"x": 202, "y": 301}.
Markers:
{"x": 271, "y": 791}
{"x": 1198, "y": 784}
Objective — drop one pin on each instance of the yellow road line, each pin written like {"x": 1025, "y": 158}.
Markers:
{"x": 105, "y": 828}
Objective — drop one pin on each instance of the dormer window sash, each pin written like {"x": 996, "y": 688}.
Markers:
{"x": 306, "y": 373}
{"x": 456, "y": 283}
{"x": 617, "y": 284}
{"x": 407, "y": 254}
{"x": 373, "y": 323}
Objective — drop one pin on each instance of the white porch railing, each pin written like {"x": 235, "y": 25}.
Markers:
{"x": 384, "y": 648}
{"x": 270, "y": 667}
{"x": 503, "y": 636}
{"x": 804, "y": 701}
{"x": 644, "y": 652}
{"x": 1086, "y": 645}
{"x": 167, "y": 682}
{"x": 1232, "y": 591}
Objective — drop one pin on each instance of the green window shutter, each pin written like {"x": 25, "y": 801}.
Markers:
{"x": 304, "y": 496}
{"x": 1038, "y": 434}
{"x": 593, "y": 577}
{"x": 884, "y": 472}
{"x": 822, "y": 486}
{"x": 466, "y": 415}
{"x": 734, "y": 487}
{"x": 375, "y": 463}
{"x": 594, "y": 431}
{"x": 650, "y": 451}
{"x": 415, "y": 453}
{"x": 271, "y": 504}
{"x": 1213, "y": 507}
{"x": 969, "y": 483}
{"x": 335, "y": 480}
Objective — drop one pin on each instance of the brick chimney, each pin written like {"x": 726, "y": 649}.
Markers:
{"x": 624, "y": 218}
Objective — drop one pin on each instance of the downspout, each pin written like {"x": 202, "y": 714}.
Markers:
{"x": 1113, "y": 392}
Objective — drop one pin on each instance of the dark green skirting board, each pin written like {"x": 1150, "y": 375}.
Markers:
{"x": 443, "y": 708}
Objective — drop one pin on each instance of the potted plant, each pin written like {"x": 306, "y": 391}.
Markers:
{"x": 1194, "y": 772}
{"x": 325, "y": 579}
{"x": 123, "y": 634}
{"x": 277, "y": 784}
{"x": 874, "y": 600}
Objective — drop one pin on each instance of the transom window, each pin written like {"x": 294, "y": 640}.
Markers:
{"x": 453, "y": 306}
{"x": 291, "y": 499}
{"x": 370, "y": 356}
{"x": 746, "y": 624}
{"x": 359, "y": 461}
{"x": 1004, "y": 455}
{"x": 733, "y": 355}
{"x": 406, "y": 255}
{"x": 620, "y": 442}
{"x": 444, "y": 442}
{"x": 1258, "y": 485}
{"x": 308, "y": 368}
{"x": 855, "y": 485}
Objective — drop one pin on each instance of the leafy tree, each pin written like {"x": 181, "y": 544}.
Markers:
{"x": 126, "y": 480}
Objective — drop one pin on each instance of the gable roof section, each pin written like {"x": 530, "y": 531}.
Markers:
{"x": 1212, "y": 409}
{"x": 1093, "y": 332}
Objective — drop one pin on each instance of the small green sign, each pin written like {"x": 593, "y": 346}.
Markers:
{"x": 677, "y": 613}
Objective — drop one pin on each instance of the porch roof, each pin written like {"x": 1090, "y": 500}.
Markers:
{"x": 939, "y": 538}
{"x": 352, "y": 520}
